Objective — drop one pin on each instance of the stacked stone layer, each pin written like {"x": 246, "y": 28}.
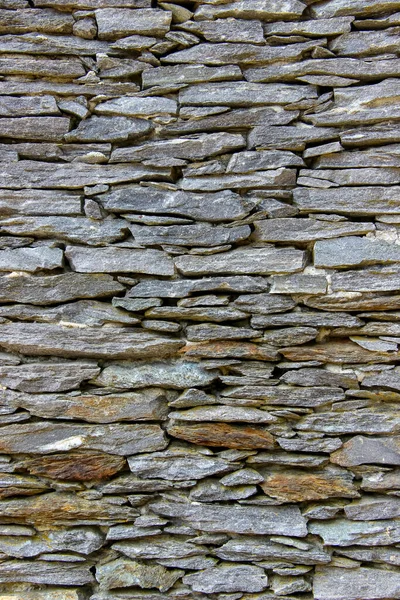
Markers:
{"x": 199, "y": 300}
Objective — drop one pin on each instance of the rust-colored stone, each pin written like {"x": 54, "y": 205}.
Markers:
{"x": 77, "y": 466}
{"x": 223, "y": 349}
{"x": 338, "y": 353}
{"x": 224, "y": 435}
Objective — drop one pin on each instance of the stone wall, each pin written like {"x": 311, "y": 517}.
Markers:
{"x": 200, "y": 300}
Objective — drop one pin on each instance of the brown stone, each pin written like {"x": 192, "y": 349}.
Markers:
{"x": 338, "y": 353}
{"x": 223, "y": 435}
{"x": 76, "y": 466}
{"x": 223, "y": 349}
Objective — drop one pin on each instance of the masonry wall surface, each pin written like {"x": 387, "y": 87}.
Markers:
{"x": 199, "y": 300}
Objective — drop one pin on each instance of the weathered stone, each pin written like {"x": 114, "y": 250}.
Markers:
{"x": 63, "y": 68}
{"x": 20, "y": 485}
{"x": 334, "y": 8}
{"x": 47, "y": 376}
{"x": 342, "y": 532}
{"x": 249, "y": 548}
{"x": 288, "y": 137}
{"x": 210, "y": 490}
{"x": 286, "y": 396}
{"x": 361, "y": 450}
{"x": 376, "y": 279}
{"x": 189, "y": 74}
{"x": 354, "y": 201}
{"x": 241, "y": 94}
{"x": 244, "y": 261}
{"x": 365, "y": 420}
{"x": 228, "y": 30}
{"x": 46, "y": 437}
{"x": 37, "y": 43}
{"x": 296, "y": 485}
{"x": 354, "y": 251}
{"x": 89, "y": 4}
{"x": 264, "y": 304}
{"x": 216, "y": 314}
{"x": 380, "y": 481}
{"x": 39, "y": 202}
{"x": 288, "y": 230}
{"x": 379, "y": 157}
{"x": 148, "y": 405}
{"x": 271, "y": 179}
{"x": 20, "y": 107}
{"x": 223, "y": 414}
{"x": 23, "y": 571}
{"x": 373, "y": 508}
{"x": 119, "y": 260}
{"x": 321, "y": 377}
{"x": 252, "y": 9}
{"x": 137, "y": 107}
{"x": 210, "y": 331}
{"x": 237, "y": 350}
{"x": 366, "y": 43}
{"x": 109, "y": 129}
{"x": 79, "y": 539}
{"x": 184, "y": 287}
{"x": 195, "y": 147}
{"x": 53, "y": 594}
{"x": 54, "y": 289}
{"x": 30, "y": 259}
{"x": 310, "y": 445}
{"x": 299, "y": 284}
{"x": 236, "y": 519}
{"x": 247, "y": 162}
{"x": 34, "y": 174}
{"x": 199, "y": 235}
{"x": 308, "y": 319}
{"x": 121, "y": 573}
{"x": 222, "y": 435}
{"x": 55, "y": 340}
{"x": 115, "y": 23}
{"x": 75, "y": 466}
{"x": 177, "y": 465}
{"x": 226, "y": 578}
{"x": 177, "y": 375}
{"x": 160, "y": 547}
{"x": 332, "y": 26}
{"x": 28, "y": 20}
{"x": 377, "y": 554}
{"x": 388, "y": 380}
{"x": 365, "y": 583}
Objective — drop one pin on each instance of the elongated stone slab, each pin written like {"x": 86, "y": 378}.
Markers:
{"x": 184, "y": 287}
{"x": 288, "y": 137}
{"x": 222, "y": 414}
{"x": 84, "y": 540}
{"x": 332, "y": 26}
{"x": 119, "y": 260}
{"x": 37, "y": 43}
{"x": 354, "y": 251}
{"x": 334, "y": 8}
{"x": 43, "y": 339}
{"x": 366, "y": 43}
{"x": 45, "y": 437}
{"x": 54, "y": 289}
{"x": 361, "y": 450}
{"x": 371, "y": 420}
{"x": 39, "y": 202}
{"x": 251, "y": 520}
{"x": 367, "y": 280}
{"x": 277, "y": 178}
{"x": 196, "y": 314}
{"x": 188, "y": 74}
{"x": 356, "y": 177}
{"x": 24, "y": 571}
{"x": 338, "y": 353}
{"x": 363, "y": 583}
{"x": 373, "y": 508}
{"x": 123, "y": 573}
{"x": 47, "y": 377}
{"x": 346, "y": 201}
{"x": 34, "y": 106}
{"x": 250, "y": 548}
{"x": 198, "y": 234}
{"x": 253, "y": 9}
{"x": 225, "y": 578}
{"x": 114, "y": 23}
{"x": 286, "y": 396}
{"x": 44, "y": 21}
{"x": 51, "y": 129}
{"x": 243, "y": 261}
{"x": 85, "y": 465}
{"x": 223, "y": 435}
{"x": 31, "y": 259}
{"x": 288, "y": 230}
{"x": 137, "y": 107}
{"x": 63, "y": 68}
{"x": 244, "y": 94}
{"x": 342, "y": 532}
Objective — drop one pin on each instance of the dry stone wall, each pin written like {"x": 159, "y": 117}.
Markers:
{"x": 199, "y": 300}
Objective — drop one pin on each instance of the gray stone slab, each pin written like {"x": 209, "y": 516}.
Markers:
{"x": 306, "y": 230}
{"x": 119, "y": 260}
{"x": 39, "y": 202}
{"x": 31, "y": 259}
{"x": 47, "y": 376}
{"x": 184, "y": 287}
{"x": 354, "y": 251}
{"x": 225, "y": 578}
{"x": 349, "y": 201}
{"x": 378, "y": 420}
{"x": 362, "y": 583}
{"x": 114, "y": 23}
{"x": 188, "y": 74}
{"x": 361, "y": 450}
{"x": 241, "y": 94}
{"x": 343, "y": 532}
{"x": 253, "y": 9}
{"x": 50, "y": 129}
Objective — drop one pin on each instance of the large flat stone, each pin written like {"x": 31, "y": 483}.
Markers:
{"x": 242, "y": 93}
{"x": 253, "y": 9}
{"x": 185, "y": 287}
{"x": 39, "y": 202}
{"x": 222, "y": 435}
{"x": 255, "y": 549}
{"x": 225, "y": 578}
{"x": 354, "y": 251}
{"x": 122, "y": 573}
{"x": 361, "y": 450}
{"x": 349, "y": 201}
{"x": 114, "y": 23}
{"x": 119, "y": 260}
{"x": 378, "y": 420}
{"x": 188, "y": 74}
{"x": 31, "y": 259}
{"x": 47, "y": 376}
{"x": 198, "y": 234}
{"x": 49, "y": 129}
{"x": 25, "y": 571}
{"x": 289, "y": 231}
{"x": 355, "y": 584}
{"x": 343, "y": 532}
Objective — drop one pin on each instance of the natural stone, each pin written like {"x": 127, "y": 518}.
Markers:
{"x": 47, "y": 376}
{"x": 119, "y": 260}
{"x": 30, "y": 259}
{"x": 226, "y": 578}
{"x": 365, "y": 583}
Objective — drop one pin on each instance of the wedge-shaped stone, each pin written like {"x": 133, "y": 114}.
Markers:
{"x": 184, "y": 287}
{"x": 73, "y": 229}
{"x": 250, "y": 548}
{"x": 34, "y": 174}
{"x": 244, "y": 94}
{"x": 122, "y": 573}
{"x": 46, "y": 437}
{"x": 115, "y": 23}
{"x": 86, "y": 465}
{"x": 253, "y": 520}
{"x": 358, "y": 8}
{"x": 63, "y": 68}
{"x": 253, "y": 9}
{"x": 51, "y": 129}
{"x": 227, "y": 30}
{"x": 21, "y": 107}
{"x": 24, "y": 571}
{"x": 343, "y": 532}
{"x": 366, "y": 43}
{"x": 226, "y": 53}
{"x": 177, "y": 465}
{"x": 244, "y": 261}
{"x": 274, "y": 178}
{"x": 43, "y": 21}
{"x": 223, "y": 435}
{"x": 372, "y": 508}
{"x": 47, "y": 376}
{"x": 223, "y": 414}
{"x": 361, "y": 450}
{"x": 286, "y": 396}
{"x": 354, "y": 251}
{"x": 226, "y": 206}
{"x": 109, "y": 129}
{"x": 130, "y": 106}
{"x": 352, "y": 68}
{"x": 192, "y": 148}
{"x": 42, "y": 339}
{"x": 119, "y": 260}
{"x": 296, "y": 485}
{"x": 356, "y": 584}
{"x": 188, "y": 74}
{"x": 226, "y": 578}
{"x": 370, "y": 420}
{"x": 171, "y": 374}
{"x": 63, "y": 509}
{"x": 306, "y": 230}
{"x": 54, "y": 289}
{"x": 39, "y": 202}
{"x": 148, "y": 405}
{"x": 199, "y": 235}
{"x": 84, "y": 540}
{"x": 31, "y": 259}
{"x": 289, "y": 137}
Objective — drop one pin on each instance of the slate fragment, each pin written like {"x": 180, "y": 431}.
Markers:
{"x": 47, "y": 376}
{"x": 223, "y": 435}
{"x": 25, "y": 571}
{"x": 365, "y": 583}
{"x": 114, "y": 23}
{"x": 114, "y": 259}
{"x": 342, "y": 532}
{"x": 121, "y": 573}
{"x": 75, "y": 465}
{"x": 226, "y": 578}
{"x": 361, "y": 450}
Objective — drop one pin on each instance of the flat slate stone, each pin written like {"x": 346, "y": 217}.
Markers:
{"x": 131, "y": 106}
{"x": 54, "y": 289}
{"x": 78, "y": 465}
{"x": 332, "y": 583}
{"x": 36, "y": 43}
{"x": 34, "y": 106}
{"x": 366, "y": 43}
{"x": 55, "y": 340}
{"x": 39, "y": 202}
{"x": 223, "y": 435}
{"x": 109, "y": 129}
{"x": 24, "y": 571}
{"x": 354, "y": 201}
{"x": 289, "y": 230}
{"x": 333, "y": 8}
{"x": 49, "y": 129}
{"x": 226, "y": 578}
{"x": 122, "y": 573}
{"x": 28, "y": 20}
{"x": 31, "y": 259}
{"x": 228, "y": 30}
{"x": 188, "y": 74}
{"x": 253, "y": 520}
{"x": 119, "y": 260}
{"x": 47, "y": 377}
{"x": 286, "y": 396}
{"x": 253, "y": 9}
{"x": 361, "y": 450}
{"x": 243, "y": 261}
{"x": 223, "y": 414}
{"x": 255, "y": 549}
{"x": 242, "y": 93}
{"x": 288, "y": 137}
{"x": 277, "y": 178}
{"x": 45, "y": 437}
{"x": 182, "y": 288}
{"x": 198, "y": 234}
{"x": 114, "y": 23}
{"x": 370, "y": 420}
{"x": 354, "y": 251}
{"x": 343, "y": 532}
{"x": 373, "y": 508}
